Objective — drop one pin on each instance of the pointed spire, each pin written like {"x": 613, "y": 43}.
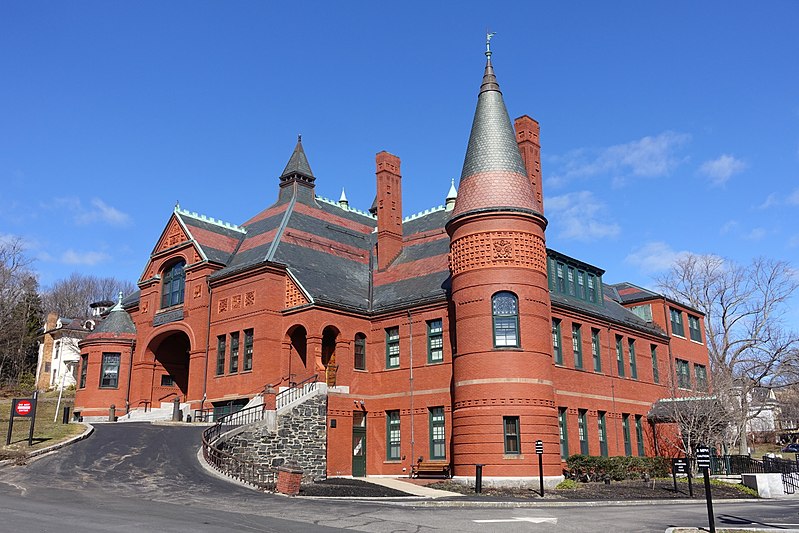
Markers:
{"x": 452, "y": 195}
{"x": 494, "y": 175}
{"x": 342, "y": 201}
{"x": 297, "y": 169}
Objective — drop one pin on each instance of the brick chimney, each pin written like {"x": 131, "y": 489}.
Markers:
{"x": 389, "y": 209}
{"x": 527, "y": 131}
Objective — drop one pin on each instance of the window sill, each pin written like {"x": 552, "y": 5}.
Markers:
{"x": 509, "y": 348}
{"x": 392, "y": 462}
{"x": 678, "y": 336}
{"x": 513, "y": 456}
{"x": 700, "y": 343}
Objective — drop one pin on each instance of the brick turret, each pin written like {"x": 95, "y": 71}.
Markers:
{"x": 527, "y": 137}
{"x": 502, "y": 371}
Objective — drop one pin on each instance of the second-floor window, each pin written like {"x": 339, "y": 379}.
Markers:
{"x": 392, "y": 347}
{"x": 676, "y": 322}
{"x": 556, "y": 344}
{"x": 247, "y": 363}
{"x": 577, "y": 346}
{"x": 360, "y": 351}
{"x": 596, "y": 350}
{"x": 683, "y": 374}
{"x": 700, "y": 375}
{"x": 234, "y": 352}
{"x": 693, "y": 328}
{"x": 505, "y": 310}
{"x": 172, "y": 285}
{"x": 220, "y": 355}
{"x": 435, "y": 341}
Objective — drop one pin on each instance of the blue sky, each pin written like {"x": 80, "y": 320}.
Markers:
{"x": 666, "y": 127}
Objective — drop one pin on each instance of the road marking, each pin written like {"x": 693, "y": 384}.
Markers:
{"x": 520, "y": 519}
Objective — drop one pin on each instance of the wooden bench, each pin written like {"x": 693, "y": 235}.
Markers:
{"x": 430, "y": 468}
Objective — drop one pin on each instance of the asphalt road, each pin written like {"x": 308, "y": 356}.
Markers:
{"x": 142, "y": 478}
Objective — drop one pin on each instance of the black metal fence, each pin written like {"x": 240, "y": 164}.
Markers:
{"x": 745, "y": 464}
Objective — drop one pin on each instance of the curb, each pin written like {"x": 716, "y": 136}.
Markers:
{"x": 37, "y": 454}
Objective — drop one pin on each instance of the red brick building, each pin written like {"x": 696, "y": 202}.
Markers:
{"x": 451, "y": 335}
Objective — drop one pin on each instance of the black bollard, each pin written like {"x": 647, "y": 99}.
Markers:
{"x": 65, "y": 417}
{"x": 478, "y": 478}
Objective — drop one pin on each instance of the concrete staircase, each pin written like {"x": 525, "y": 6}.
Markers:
{"x": 157, "y": 413}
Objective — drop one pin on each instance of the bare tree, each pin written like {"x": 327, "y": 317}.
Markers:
{"x": 748, "y": 342}
{"x": 71, "y": 297}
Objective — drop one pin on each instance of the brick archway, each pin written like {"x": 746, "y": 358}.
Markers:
{"x": 170, "y": 355}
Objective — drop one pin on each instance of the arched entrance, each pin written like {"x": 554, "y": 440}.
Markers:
{"x": 298, "y": 356}
{"x": 329, "y": 337}
{"x": 171, "y": 375}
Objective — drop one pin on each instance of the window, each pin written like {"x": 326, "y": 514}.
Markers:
{"x": 620, "y": 355}
{"x": 506, "y": 319}
{"x": 676, "y": 322}
{"x": 172, "y": 285}
{"x": 234, "y": 352}
{"x": 592, "y": 297}
{"x": 360, "y": 351}
{"x": 435, "y": 341}
{"x": 570, "y": 274}
{"x": 564, "y": 432}
{"x": 693, "y": 328}
{"x": 166, "y": 380}
{"x": 582, "y": 430}
{"x": 639, "y": 435}
{"x": 57, "y": 350}
{"x": 581, "y": 284}
{"x": 577, "y": 346}
{"x": 603, "y": 434}
{"x": 633, "y": 367}
{"x": 700, "y": 376}
{"x": 561, "y": 281}
{"x": 625, "y": 426}
{"x": 84, "y": 367}
{"x": 247, "y": 350}
{"x": 109, "y": 374}
{"x": 683, "y": 374}
{"x": 556, "y": 345}
{"x": 438, "y": 448}
{"x": 392, "y": 347}
{"x": 655, "y": 369}
{"x": 392, "y": 435}
{"x": 220, "y": 355}
{"x": 644, "y": 312}
{"x": 511, "y": 429}
{"x": 596, "y": 350}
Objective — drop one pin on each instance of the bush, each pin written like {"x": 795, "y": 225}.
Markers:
{"x": 593, "y": 468}
{"x": 567, "y": 484}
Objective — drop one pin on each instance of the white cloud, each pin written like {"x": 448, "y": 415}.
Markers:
{"x": 654, "y": 257}
{"x": 97, "y": 212}
{"x": 728, "y": 226}
{"x": 721, "y": 169}
{"x": 793, "y": 198}
{"x": 648, "y": 157}
{"x": 770, "y": 201}
{"x": 755, "y": 234}
{"x": 71, "y": 257}
{"x": 577, "y": 215}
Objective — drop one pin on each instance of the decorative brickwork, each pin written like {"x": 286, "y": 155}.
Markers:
{"x": 294, "y": 295}
{"x": 222, "y": 306}
{"x": 236, "y": 301}
{"x": 198, "y": 291}
{"x": 249, "y": 298}
{"x": 498, "y": 249}
{"x": 173, "y": 236}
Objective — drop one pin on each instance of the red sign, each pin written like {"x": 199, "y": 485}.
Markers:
{"x": 23, "y": 407}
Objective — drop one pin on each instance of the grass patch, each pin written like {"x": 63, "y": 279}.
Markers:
{"x": 46, "y": 432}
{"x": 743, "y": 489}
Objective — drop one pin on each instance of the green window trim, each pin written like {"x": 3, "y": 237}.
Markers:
{"x": 655, "y": 368}
{"x": 694, "y": 330}
{"x": 234, "y": 352}
{"x": 676, "y": 322}
{"x": 220, "y": 355}
{"x": 248, "y": 342}
{"x": 505, "y": 317}
{"x": 633, "y": 364}
{"x": 620, "y": 355}
{"x": 603, "y": 433}
{"x": 435, "y": 341}
{"x": 173, "y": 285}
{"x": 392, "y": 347}
{"x": 639, "y": 435}
{"x": 596, "y": 350}
{"x": 109, "y": 371}
{"x": 582, "y": 430}
{"x": 557, "y": 342}
{"x": 512, "y": 439}
{"x": 84, "y": 369}
{"x": 700, "y": 377}
{"x": 625, "y": 424}
{"x": 577, "y": 346}
{"x": 683, "y": 374}
{"x": 438, "y": 448}
{"x": 564, "y": 432}
{"x": 393, "y": 436}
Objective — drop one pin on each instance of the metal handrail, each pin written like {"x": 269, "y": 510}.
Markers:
{"x": 295, "y": 392}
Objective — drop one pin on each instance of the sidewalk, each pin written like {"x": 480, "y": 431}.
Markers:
{"x": 406, "y": 485}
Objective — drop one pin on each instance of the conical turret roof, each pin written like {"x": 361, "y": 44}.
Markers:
{"x": 116, "y": 323}
{"x": 297, "y": 169}
{"x": 493, "y": 176}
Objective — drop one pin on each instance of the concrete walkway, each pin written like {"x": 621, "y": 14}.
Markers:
{"x": 410, "y": 488}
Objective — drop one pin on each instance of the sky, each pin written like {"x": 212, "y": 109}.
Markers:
{"x": 666, "y": 127}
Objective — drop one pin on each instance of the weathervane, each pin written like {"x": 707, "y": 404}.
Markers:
{"x": 489, "y": 35}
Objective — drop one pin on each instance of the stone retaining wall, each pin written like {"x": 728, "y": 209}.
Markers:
{"x": 301, "y": 438}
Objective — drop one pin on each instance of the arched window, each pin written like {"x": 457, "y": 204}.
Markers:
{"x": 505, "y": 310}
{"x": 172, "y": 285}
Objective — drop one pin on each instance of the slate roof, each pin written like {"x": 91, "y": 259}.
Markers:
{"x": 117, "y": 323}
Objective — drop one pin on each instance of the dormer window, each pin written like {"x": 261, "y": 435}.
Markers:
{"x": 173, "y": 283}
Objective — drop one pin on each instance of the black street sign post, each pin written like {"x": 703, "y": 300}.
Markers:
{"x": 680, "y": 466}
{"x": 703, "y": 462}
{"x": 22, "y": 408}
{"x": 539, "y": 450}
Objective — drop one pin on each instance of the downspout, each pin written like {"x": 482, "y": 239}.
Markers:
{"x": 666, "y": 320}
{"x": 207, "y": 344}
{"x": 613, "y": 384}
{"x": 130, "y": 375}
{"x": 410, "y": 382}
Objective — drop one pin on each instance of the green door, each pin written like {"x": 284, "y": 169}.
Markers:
{"x": 358, "y": 444}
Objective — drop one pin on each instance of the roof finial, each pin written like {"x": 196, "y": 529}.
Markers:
{"x": 299, "y": 137}
{"x": 119, "y": 301}
{"x": 489, "y": 35}
{"x": 177, "y": 205}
